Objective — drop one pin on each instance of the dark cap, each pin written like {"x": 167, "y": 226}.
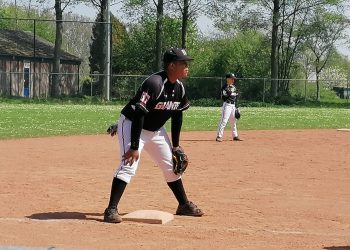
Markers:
{"x": 176, "y": 54}
{"x": 230, "y": 75}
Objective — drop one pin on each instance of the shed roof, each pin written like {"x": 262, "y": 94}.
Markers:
{"x": 18, "y": 43}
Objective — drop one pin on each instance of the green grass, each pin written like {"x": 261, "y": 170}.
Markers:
{"x": 271, "y": 118}
{"x": 40, "y": 120}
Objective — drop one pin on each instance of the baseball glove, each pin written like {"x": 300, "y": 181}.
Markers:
{"x": 113, "y": 129}
{"x": 237, "y": 113}
{"x": 180, "y": 161}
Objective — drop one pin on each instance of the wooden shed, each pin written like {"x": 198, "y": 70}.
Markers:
{"x": 26, "y": 66}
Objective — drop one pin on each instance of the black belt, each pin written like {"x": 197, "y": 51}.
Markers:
{"x": 230, "y": 102}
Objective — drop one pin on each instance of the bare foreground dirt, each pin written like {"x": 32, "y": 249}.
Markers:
{"x": 274, "y": 190}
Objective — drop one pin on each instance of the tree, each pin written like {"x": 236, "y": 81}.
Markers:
{"x": 97, "y": 55}
{"x": 145, "y": 8}
{"x": 55, "y": 89}
{"x": 60, "y": 6}
{"x": 98, "y": 48}
{"x": 159, "y": 34}
{"x": 324, "y": 30}
{"x": 287, "y": 21}
{"x": 189, "y": 11}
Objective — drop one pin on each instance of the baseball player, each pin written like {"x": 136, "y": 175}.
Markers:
{"x": 229, "y": 95}
{"x": 161, "y": 97}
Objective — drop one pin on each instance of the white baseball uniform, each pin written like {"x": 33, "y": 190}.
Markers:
{"x": 228, "y": 110}
{"x": 158, "y": 100}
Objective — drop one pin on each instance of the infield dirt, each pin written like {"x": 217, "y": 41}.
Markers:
{"x": 274, "y": 190}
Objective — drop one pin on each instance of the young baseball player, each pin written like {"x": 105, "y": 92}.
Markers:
{"x": 229, "y": 96}
{"x": 161, "y": 97}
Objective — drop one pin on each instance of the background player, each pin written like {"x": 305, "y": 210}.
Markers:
{"x": 141, "y": 126}
{"x": 229, "y": 95}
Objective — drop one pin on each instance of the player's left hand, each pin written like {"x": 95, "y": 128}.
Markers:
{"x": 131, "y": 156}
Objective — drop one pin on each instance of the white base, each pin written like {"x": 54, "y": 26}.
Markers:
{"x": 344, "y": 129}
{"x": 149, "y": 216}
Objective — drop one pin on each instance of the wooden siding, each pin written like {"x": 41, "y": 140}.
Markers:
{"x": 12, "y": 78}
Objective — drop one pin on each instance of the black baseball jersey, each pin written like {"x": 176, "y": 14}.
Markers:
{"x": 229, "y": 93}
{"x": 155, "y": 102}
{"x": 158, "y": 99}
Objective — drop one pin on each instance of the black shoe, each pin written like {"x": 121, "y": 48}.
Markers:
{"x": 189, "y": 209}
{"x": 219, "y": 139}
{"x": 111, "y": 215}
{"x": 236, "y": 138}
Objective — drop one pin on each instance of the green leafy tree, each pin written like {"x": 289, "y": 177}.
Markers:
{"x": 324, "y": 30}
{"x": 246, "y": 55}
{"x": 284, "y": 20}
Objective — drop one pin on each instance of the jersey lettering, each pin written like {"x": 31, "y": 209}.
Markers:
{"x": 144, "y": 98}
{"x": 167, "y": 105}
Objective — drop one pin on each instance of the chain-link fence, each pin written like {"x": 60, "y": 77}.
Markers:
{"x": 124, "y": 87}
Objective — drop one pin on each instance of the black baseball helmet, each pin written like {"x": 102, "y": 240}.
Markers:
{"x": 176, "y": 54}
{"x": 230, "y": 75}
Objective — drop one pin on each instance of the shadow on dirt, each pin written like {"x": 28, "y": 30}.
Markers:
{"x": 66, "y": 216}
{"x": 338, "y": 248}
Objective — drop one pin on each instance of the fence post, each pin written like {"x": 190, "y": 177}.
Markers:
{"x": 347, "y": 90}
{"x": 135, "y": 88}
{"x": 305, "y": 90}
{"x": 264, "y": 90}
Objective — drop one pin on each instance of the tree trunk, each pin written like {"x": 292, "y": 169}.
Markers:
{"x": 159, "y": 34}
{"x": 55, "y": 87}
{"x": 318, "y": 92}
{"x": 185, "y": 16}
{"x": 274, "y": 49}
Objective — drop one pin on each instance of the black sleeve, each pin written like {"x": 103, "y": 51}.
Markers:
{"x": 185, "y": 103}
{"x": 136, "y": 127}
{"x": 176, "y": 124}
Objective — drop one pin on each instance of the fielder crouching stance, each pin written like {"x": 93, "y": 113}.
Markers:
{"x": 141, "y": 126}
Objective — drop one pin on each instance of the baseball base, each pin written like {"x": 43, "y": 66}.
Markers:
{"x": 344, "y": 129}
{"x": 149, "y": 216}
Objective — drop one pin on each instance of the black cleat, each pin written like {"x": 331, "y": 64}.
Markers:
{"x": 219, "y": 139}
{"x": 111, "y": 215}
{"x": 189, "y": 209}
{"x": 237, "y": 139}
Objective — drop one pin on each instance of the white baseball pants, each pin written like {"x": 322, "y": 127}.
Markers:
{"x": 156, "y": 143}
{"x": 227, "y": 113}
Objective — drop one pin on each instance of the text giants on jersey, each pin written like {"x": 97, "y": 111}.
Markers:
{"x": 167, "y": 105}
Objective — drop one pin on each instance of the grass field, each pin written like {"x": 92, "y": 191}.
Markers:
{"x": 40, "y": 120}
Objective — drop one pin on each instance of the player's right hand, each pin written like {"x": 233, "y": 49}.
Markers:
{"x": 131, "y": 156}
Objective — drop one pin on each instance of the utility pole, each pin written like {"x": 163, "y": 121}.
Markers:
{"x": 108, "y": 52}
